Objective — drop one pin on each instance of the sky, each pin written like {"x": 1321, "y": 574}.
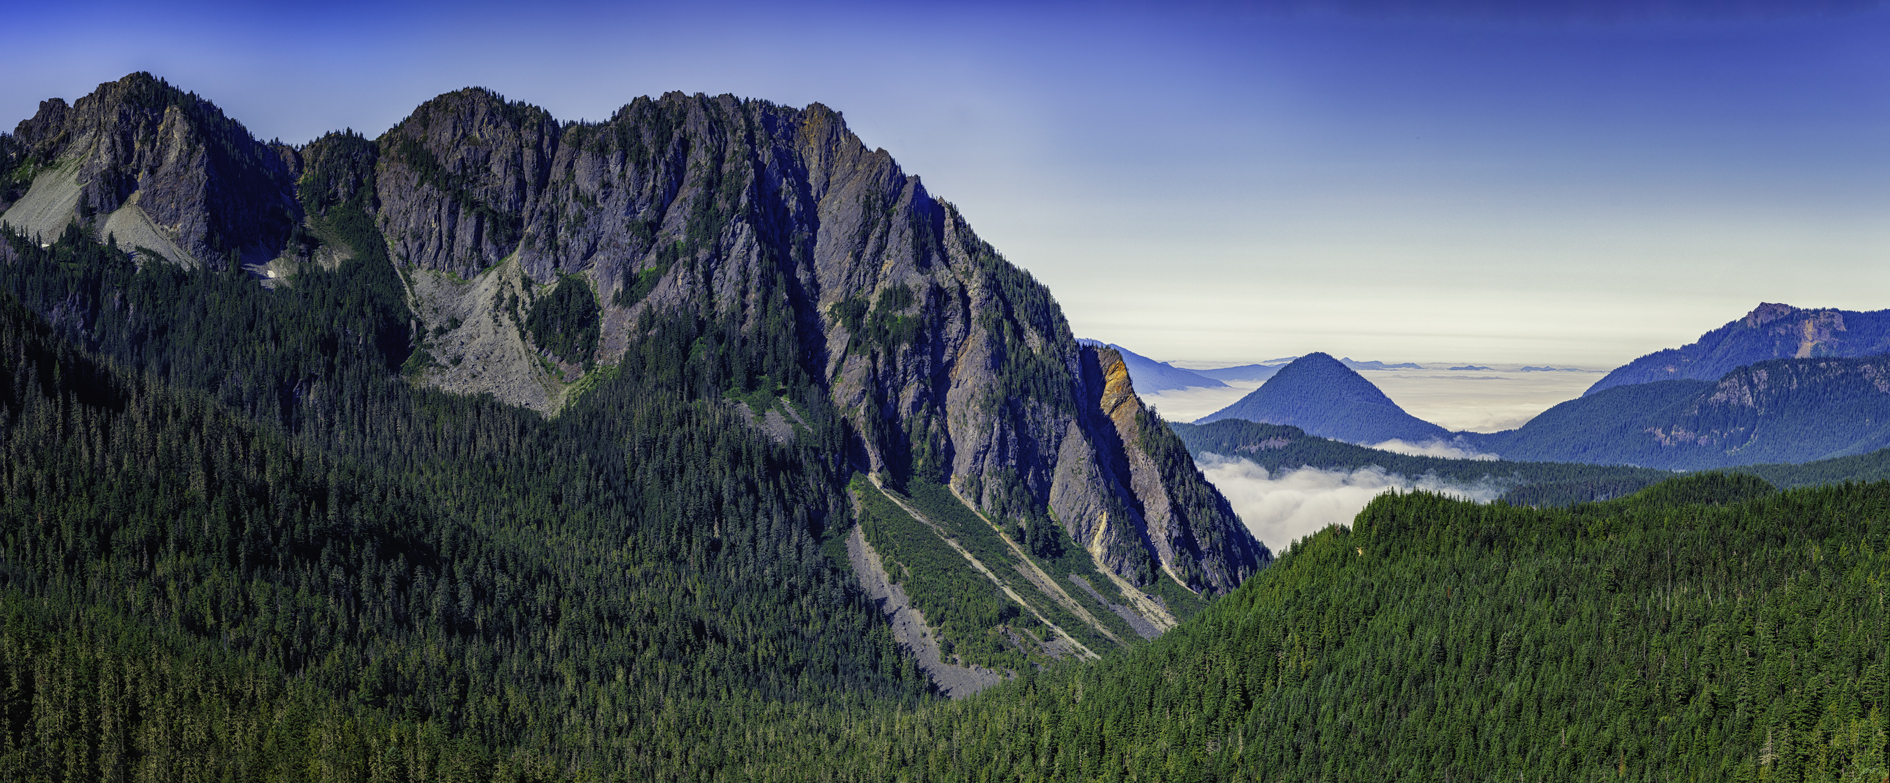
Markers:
{"x": 1208, "y": 182}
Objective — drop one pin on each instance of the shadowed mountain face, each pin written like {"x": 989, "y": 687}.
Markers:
{"x": 151, "y": 166}
{"x": 1779, "y": 411}
{"x": 1318, "y": 394}
{"x": 1770, "y": 331}
{"x": 535, "y": 253}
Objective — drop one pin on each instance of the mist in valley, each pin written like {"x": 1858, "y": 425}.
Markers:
{"x": 1281, "y": 507}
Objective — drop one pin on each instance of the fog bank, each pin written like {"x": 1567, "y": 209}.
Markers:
{"x": 1296, "y": 503}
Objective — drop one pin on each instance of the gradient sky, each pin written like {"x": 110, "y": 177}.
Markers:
{"x": 1224, "y": 182}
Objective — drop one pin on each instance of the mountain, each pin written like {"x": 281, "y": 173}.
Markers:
{"x": 1778, "y": 411}
{"x": 1151, "y": 376}
{"x": 1770, "y": 331}
{"x": 1245, "y": 372}
{"x": 1377, "y": 365}
{"x": 532, "y": 254}
{"x": 1322, "y": 396}
{"x": 154, "y": 167}
{"x": 704, "y": 412}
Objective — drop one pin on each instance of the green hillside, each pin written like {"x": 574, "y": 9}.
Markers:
{"x": 402, "y": 584}
{"x": 1436, "y": 639}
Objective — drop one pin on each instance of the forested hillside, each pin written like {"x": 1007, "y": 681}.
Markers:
{"x": 410, "y": 583}
{"x": 1434, "y": 639}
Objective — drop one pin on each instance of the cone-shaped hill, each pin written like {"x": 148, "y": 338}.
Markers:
{"x": 1318, "y": 394}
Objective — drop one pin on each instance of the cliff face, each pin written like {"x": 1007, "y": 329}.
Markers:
{"x": 1770, "y": 331}
{"x": 951, "y": 364}
{"x": 153, "y": 166}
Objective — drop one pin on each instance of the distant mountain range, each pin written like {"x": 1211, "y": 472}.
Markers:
{"x": 1150, "y": 376}
{"x": 1324, "y": 397}
{"x": 1246, "y": 372}
{"x": 1790, "y": 410}
{"x": 1153, "y": 376}
{"x": 1784, "y": 410}
{"x": 1375, "y": 365}
{"x": 1770, "y": 331}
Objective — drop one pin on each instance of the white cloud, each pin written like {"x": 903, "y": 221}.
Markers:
{"x": 1296, "y": 503}
{"x": 1448, "y": 449}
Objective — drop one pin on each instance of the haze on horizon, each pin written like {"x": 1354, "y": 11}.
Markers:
{"x": 1216, "y": 184}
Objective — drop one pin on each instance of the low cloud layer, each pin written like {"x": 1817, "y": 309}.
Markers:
{"x": 1448, "y": 449}
{"x": 1293, "y": 504}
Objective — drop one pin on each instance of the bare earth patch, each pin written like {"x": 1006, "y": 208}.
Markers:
{"x": 908, "y": 625}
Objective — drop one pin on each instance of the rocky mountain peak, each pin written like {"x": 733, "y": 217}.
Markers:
{"x": 1768, "y": 312}
{"x": 154, "y": 167}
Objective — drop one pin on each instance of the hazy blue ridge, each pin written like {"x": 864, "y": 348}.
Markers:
{"x": 1591, "y": 429}
{"x": 1377, "y": 365}
{"x": 1245, "y": 372}
{"x": 1151, "y": 376}
{"x": 1778, "y": 411}
{"x": 1770, "y": 331}
{"x": 1279, "y": 447}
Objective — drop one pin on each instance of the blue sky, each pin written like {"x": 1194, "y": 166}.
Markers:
{"x": 1223, "y": 182}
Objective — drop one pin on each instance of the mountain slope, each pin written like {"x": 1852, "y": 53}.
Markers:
{"x": 951, "y": 364}
{"x": 1434, "y": 639}
{"x": 733, "y": 252}
{"x": 1779, "y": 411}
{"x": 1770, "y": 331}
{"x": 1318, "y": 394}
